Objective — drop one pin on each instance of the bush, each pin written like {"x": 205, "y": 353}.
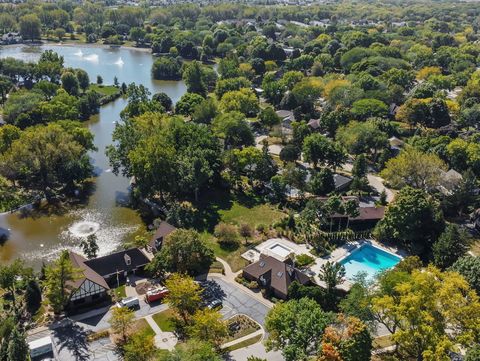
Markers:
{"x": 227, "y": 235}
{"x": 303, "y": 260}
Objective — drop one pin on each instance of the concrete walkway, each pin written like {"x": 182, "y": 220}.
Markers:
{"x": 244, "y": 338}
{"x": 163, "y": 340}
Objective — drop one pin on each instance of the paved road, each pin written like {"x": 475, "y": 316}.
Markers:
{"x": 236, "y": 301}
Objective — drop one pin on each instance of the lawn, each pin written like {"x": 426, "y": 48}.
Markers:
{"x": 142, "y": 326}
{"x": 163, "y": 320}
{"x": 216, "y": 207}
{"x": 120, "y": 292}
{"x": 106, "y": 90}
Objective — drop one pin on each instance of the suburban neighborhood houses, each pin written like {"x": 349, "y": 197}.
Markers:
{"x": 198, "y": 180}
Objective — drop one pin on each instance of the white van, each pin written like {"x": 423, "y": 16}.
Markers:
{"x": 130, "y": 302}
{"x": 40, "y": 347}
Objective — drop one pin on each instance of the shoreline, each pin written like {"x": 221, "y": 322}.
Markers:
{"x": 74, "y": 43}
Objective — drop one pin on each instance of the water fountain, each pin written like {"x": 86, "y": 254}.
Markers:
{"x": 83, "y": 228}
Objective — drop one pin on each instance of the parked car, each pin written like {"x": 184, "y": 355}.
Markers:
{"x": 130, "y": 302}
{"x": 155, "y": 294}
{"x": 215, "y": 304}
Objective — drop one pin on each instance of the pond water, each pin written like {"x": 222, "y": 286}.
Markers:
{"x": 39, "y": 236}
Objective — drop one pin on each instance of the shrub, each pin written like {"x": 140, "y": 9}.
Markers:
{"x": 227, "y": 235}
{"x": 304, "y": 260}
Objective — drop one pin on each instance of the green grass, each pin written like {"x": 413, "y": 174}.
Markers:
{"x": 163, "y": 320}
{"x": 142, "y": 326}
{"x": 120, "y": 292}
{"x": 104, "y": 89}
{"x": 258, "y": 214}
{"x": 248, "y": 342}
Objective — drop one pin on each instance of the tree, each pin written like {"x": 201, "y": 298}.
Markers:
{"x": 208, "y": 325}
{"x": 233, "y": 128}
{"x": 164, "y": 100}
{"x": 227, "y": 235}
{"x": 243, "y": 101}
{"x": 187, "y": 103}
{"x": 182, "y": 251}
{"x": 246, "y": 231}
{"x": 429, "y": 322}
{"x": 90, "y": 246}
{"x": 357, "y": 301}
{"x": 296, "y": 327}
{"x": 332, "y": 274}
{"x": 140, "y": 347}
{"x": 206, "y": 111}
{"x": 67, "y": 163}
{"x": 184, "y": 295}
{"x": 10, "y": 276}
{"x": 17, "y": 346}
{"x": 225, "y": 85}
{"x": 318, "y": 149}
{"x": 413, "y": 218}
{"x": 193, "y": 350}
{"x": 30, "y": 27}
{"x": 268, "y": 118}
{"x": 347, "y": 339}
{"x": 70, "y": 83}
{"x": 59, "y": 278}
{"x": 473, "y": 354}
{"x": 99, "y": 80}
{"x": 452, "y": 244}
{"x": 414, "y": 168}
{"x": 469, "y": 268}
{"x": 166, "y": 68}
{"x": 289, "y": 153}
{"x": 363, "y": 137}
{"x": 137, "y": 34}
{"x": 60, "y": 33}
{"x": 121, "y": 322}
{"x": 367, "y": 108}
{"x": 194, "y": 79}
{"x": 322, "y": 182}
{"x": 83, "y": 79}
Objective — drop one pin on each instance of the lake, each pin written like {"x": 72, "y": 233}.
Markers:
{"x": 38, "y": 237}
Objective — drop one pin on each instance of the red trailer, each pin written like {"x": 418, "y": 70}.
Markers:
{"x": 156, "y": 294}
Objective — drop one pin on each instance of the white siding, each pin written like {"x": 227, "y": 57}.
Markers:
{"x": 88, "y": 288}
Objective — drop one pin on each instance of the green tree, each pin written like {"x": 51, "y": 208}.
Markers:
{"x": 83, "y": 79}
{"x": 296, "y": 327}
{"x": 414, "y": 168}
{"x": 231, "y": 84}
{"x": 89, "y": 246}
{"x": 121, "y": 322}
{"x": 227, "y": 235}
{"x": 10, "y": 276}
{"x": 366, "y": 108}
{"x": 413, "y": 218}
{"x": 188, "y": 103}
{"x": 140, "y": 347}
{"x": 363, "y": 137}
{"x": 428, "y": 322}
{"x": 70, "y": 83}
{"x": 322, "y": 182}
{"x": 332, "y": 273}
{"x": 469, "y": 268}
{"x": 206, "y": 111}
{"x": 137, "y": 34}
{"x": 452, "y": 244}
{"x": 17, "y": 346}
{"x": 473, "y": 353}
{"x": 182, "y": 251}
{"x": 208, "y": 325}
{"x": 184, "y": 296}
{"x": 194, "y": 79}
{"x": 233, "y": 128}
{"x": 268, "y": 118}
{"x": 319, "y": 150}
{"x": 193, "y": 350}
{"x": 243, "y": 101}
{"x": 289, "y": 153}
{"x": 59, "y": 277}
{"x": 30, "y": 27}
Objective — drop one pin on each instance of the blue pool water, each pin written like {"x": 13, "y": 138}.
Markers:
{"x": 368, "y": 259}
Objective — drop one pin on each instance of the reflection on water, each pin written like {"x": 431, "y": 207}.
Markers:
{"x": 40, "y": 236}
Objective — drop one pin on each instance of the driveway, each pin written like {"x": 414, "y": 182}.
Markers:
{"x": 236, "y": 301}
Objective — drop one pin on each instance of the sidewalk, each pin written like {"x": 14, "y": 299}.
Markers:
{"x": 163, "y": 340}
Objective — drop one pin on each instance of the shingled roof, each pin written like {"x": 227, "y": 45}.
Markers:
{"x": 277, "y": 274}
{"x": 117, "y": 262}
{"x": 78, "y": 262}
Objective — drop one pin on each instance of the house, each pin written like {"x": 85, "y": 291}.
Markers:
{"x": 98, "y": 275}
{"x": 163, "y": 230}
{"x": 274, "y": 275}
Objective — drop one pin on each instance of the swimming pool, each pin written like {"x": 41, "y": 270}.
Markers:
{"x": 368, "y": 259}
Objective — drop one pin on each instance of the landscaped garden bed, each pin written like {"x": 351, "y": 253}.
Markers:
{"x": 240, "y": 326}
